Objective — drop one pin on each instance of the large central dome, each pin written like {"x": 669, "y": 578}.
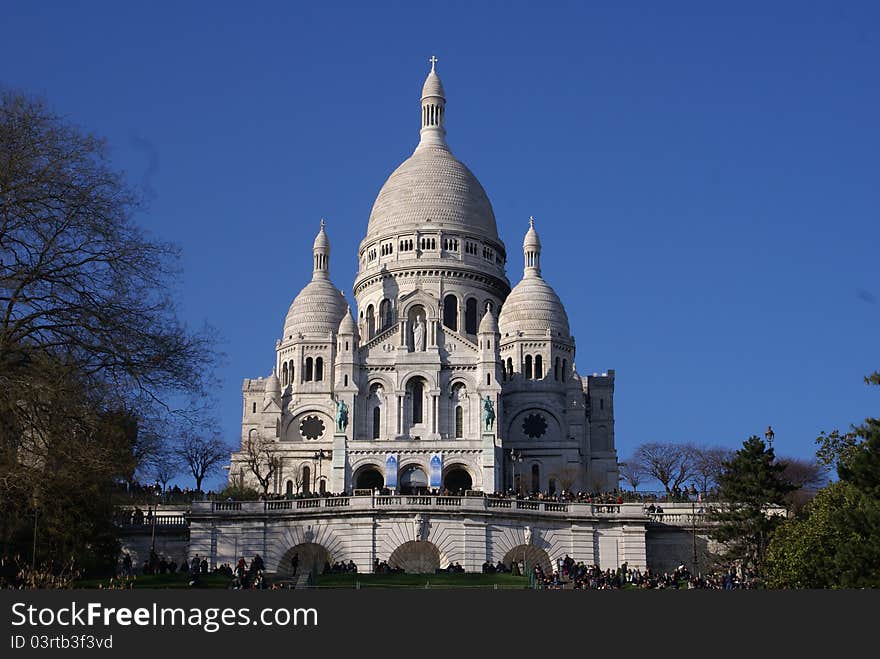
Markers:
{"x": 432, "y": 189}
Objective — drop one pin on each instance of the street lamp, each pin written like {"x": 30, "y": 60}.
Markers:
{"x": 319, "y": 456}
{"x": 769, "y": 434}
{"x": 515, "y": 457}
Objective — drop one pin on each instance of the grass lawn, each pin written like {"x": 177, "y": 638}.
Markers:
{"x": 177, "y": 580}
{"x": 446, "y": 580}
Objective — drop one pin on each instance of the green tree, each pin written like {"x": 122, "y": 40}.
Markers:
{"x": 750, "y": 483}
{"x": 835, "y": 541}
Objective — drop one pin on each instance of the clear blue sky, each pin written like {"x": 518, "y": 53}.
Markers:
{"x": 704, "y": 175}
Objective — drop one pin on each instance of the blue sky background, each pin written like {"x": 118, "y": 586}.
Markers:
{"x": 704, "y": 175}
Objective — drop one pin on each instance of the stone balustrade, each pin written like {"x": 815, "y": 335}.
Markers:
{"x": 418, "y": 502}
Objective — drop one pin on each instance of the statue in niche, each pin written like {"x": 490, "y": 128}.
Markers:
{"x": 527, "y": 532}
{"x": 419, "y": 334}
{"x": 418, "y": 527}
{"x": 488, "y": 413}
{"x": 341, "y": 414}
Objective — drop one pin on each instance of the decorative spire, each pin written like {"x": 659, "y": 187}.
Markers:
{"x": 433, "y": 131}
{"x": 532, "y": 251}
{"x": 321, "y": 252}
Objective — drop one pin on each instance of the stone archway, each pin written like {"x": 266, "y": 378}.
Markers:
{"x": 368, "y": 477}
{"x": 413, "y": 480}
{"x": 310, "y": 557}
{"x": 417, "y": 557}
{"x": 457, "y": 479}
{"x": 531, "y": 555}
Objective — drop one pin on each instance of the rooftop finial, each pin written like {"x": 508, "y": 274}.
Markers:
{"x": 322, "y": 222}
{"x": 531, "y": 222}
{"x": 433, "y": 62}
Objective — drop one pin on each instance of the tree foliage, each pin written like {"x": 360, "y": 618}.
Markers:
{"x": 94, "y": 360}
{"x": 750, "y": 483}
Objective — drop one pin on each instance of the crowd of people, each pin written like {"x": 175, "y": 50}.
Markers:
{"x": 571, "y": 575}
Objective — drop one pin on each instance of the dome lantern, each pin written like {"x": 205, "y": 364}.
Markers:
{"x": 321, "y": 252}
{"x": 433, "y": 131}
{"x": 532, "y": 251}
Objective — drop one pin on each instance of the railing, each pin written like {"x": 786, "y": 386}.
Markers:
{"x": 155, "y": 520}
{"x": 446, "y": 503}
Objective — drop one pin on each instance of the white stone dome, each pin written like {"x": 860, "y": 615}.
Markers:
{"x": 533, "y": 307}
{"x": 347, "y": 325}
{"x": 432, "y": 189}
{"x": 433, "y": 86}
{"x": 318, "y": 309}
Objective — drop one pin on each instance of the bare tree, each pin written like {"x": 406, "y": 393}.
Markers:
{"x": 670, "y": 464}
{"x": 567, "y": 477}
{"x": 631, "y": 472}
{"x": 708, "y": 465}
{"x": 807, "y": 476}
{"x": 261, "y": 459}
{"x": 165, "y": 466}
{"x": 202, "y": 455}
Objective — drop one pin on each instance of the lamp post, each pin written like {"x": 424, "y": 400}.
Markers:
{"x": 319, "y": 456}
{"x": 769, "y": 434}
{"x": 515, "y": 458}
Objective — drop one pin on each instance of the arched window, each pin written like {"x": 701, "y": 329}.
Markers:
{"x": 527, "y": 371}
{"x": 307, "y": 477}
{"x": 255, "y": 408}
{"x": 556, "y": 369}
{"x": 509, "y": 367}
{"x": 539, "y": 367}
{"x": 536, "y": 479}
{"x": 488, "y": 378}
{"x": 450, "y": 312}
{"x": 319, "y": 369}
{"x": 551, "y": 486}
{"x": 564, "y": 366}
{"x": 345, "y": 381}
{"x": 292, "y": 381}
{"x": 284, "y": 374}
{"x": 385, "y": 314}
{"x": 308, "y": 377}
{"x": 371, "y": 322}
{"x": 322, "y": 486}
{"x": 377, "y": 422}
{"x": 470, "y": 316}
{"x": 288, "y": 489}
{"x": 418, "y": 393}
{"x": 459, "y": 422}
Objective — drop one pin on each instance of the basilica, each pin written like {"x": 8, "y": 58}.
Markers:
{"x": 440, "y": 377}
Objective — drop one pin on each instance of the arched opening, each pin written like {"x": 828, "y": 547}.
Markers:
{"x": 254, "y": 409}
{"x": 319, "y": 369}
{"x": 459, "y": 422}
{"x": 509, "y": 367}
{"x": 539, "y": 367}
{"x": 523, "y": 558}
{"x": 413, "y": 480}
{"x": 305, "y": 558}
{"x": 288, "y": 489}
{"x": 470, "y": 316}
{"x": 527, "y": 370}
{"x": 417, "y": 557}
{"x": 322, "y": 486}
{"x": 385, "y": 314}
{"x": 369, "y": 478}
{"x": 457, "y": 480}
{"x": 307, "y": 479}
{"x": 417, "y": 395}
{"x": 309, "y": 367}
{"x": 371, "y": 322}
{"x": 536, "y": 478}
{"x": 450, "y": 312}
{"x": 551, "y": 486}
{"x": 556, "y": 369}
{"x": 377, "y": 422}
{"x": 291, "y": 373}
{"x": 284, "y": 374}
{"x": 562, "y": 373}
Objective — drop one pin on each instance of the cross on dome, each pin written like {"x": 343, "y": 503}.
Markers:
{"x": 433, "y": 61}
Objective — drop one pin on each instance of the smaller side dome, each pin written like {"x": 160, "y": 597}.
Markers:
{"x": 488, "y": 325}
{"x": 273, "y": 388}
{"x": 347, "y": 325}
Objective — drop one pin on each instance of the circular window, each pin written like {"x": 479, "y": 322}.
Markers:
{"x": 311, "y": 427}
{"x": 534, "y": 425}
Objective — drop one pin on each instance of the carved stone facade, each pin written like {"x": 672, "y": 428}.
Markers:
{"x": 435, "y": 331}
